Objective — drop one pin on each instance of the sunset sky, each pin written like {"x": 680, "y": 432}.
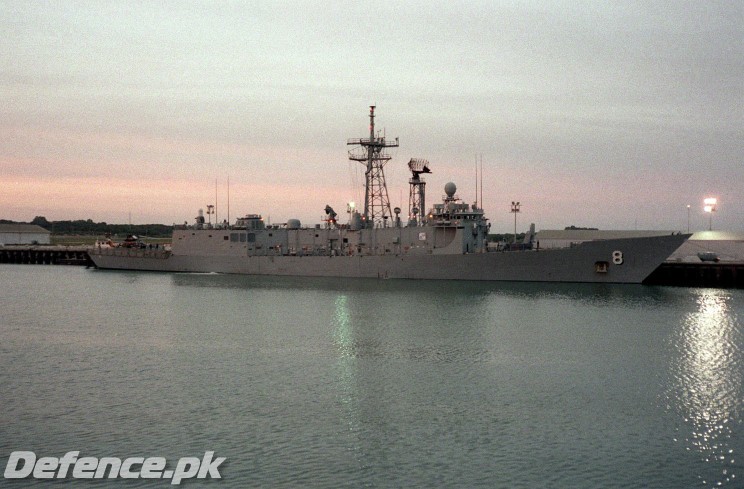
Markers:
{"x": 614, "y": 115}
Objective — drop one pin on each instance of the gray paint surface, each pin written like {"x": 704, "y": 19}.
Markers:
{"x": 640, "y": 256}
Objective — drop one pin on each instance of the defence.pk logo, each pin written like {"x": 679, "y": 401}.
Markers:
{"x": 24, "y": 464}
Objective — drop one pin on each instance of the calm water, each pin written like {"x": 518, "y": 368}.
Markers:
{"x": 357, "y": 383}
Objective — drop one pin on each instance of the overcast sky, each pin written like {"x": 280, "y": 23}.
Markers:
{"x": 612, "y": 115}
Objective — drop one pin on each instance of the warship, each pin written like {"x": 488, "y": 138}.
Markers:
{"x": 449, "y": 241}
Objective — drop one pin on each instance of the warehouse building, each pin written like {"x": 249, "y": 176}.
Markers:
{"x": 11, "y": 234}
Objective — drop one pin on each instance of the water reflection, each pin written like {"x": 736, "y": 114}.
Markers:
{"x": 343, "y": 338}
{"x": 342, "y": 332}
{"x": 597, "y": 294}
{"x": 706, "y": 383}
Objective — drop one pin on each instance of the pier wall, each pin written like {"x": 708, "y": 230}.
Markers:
{"x": 46, "y": 255}
{"x": 720, "y": 275}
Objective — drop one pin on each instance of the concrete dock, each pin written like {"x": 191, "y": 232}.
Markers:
{"x": 686, "y": 269}
{"x": 45, "y": 255}
{"x": 723, "y": 275}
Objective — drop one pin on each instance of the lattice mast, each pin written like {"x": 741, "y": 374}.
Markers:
{"x": 371, "y": 151}
{"x": 417, "y": 193}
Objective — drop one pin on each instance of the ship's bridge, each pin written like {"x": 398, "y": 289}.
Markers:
{"x": 452, "y": 211}
{"x": 250, "y": 221}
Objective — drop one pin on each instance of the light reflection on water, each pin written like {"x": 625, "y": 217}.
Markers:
{"x": 343, "y": 337}
{"x": 706, "y": 384}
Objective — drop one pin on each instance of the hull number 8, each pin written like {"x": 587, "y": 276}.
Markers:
{"x": 617, "y": 257}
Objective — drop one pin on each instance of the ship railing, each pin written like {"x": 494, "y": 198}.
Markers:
{"x": 381, "y": 142}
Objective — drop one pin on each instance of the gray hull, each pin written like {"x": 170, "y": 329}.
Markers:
{"x": 609, "y": 261}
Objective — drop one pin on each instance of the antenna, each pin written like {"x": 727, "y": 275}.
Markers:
{"x": 228, "y": 200}
{"x": 372, "y": 152}
{"x": 476, "y": 181}
{"x": 481, "y": 178}
{"x": 216, "y": 219}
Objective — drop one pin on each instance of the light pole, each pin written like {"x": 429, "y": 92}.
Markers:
{"x": 688, "y": 218}
{"x": 710, "y": 208}
{"x": 210, "y": 211}
{"x": 514, "y": 210}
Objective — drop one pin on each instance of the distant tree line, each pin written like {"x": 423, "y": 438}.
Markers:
{"x": 497, "y": 238}
{"x": 90, "y": 228}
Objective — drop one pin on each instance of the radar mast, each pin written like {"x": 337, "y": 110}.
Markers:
{"x": 417, "y": 192}
{"x": 372, "y": 152}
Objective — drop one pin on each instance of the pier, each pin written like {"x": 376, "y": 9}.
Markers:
{"x": 724, "y": 275}
{"x": 45, "y": 255}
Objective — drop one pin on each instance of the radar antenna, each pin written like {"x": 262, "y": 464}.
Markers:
{"x": 417, "y": 194}
{"x": 372, "y": 152}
